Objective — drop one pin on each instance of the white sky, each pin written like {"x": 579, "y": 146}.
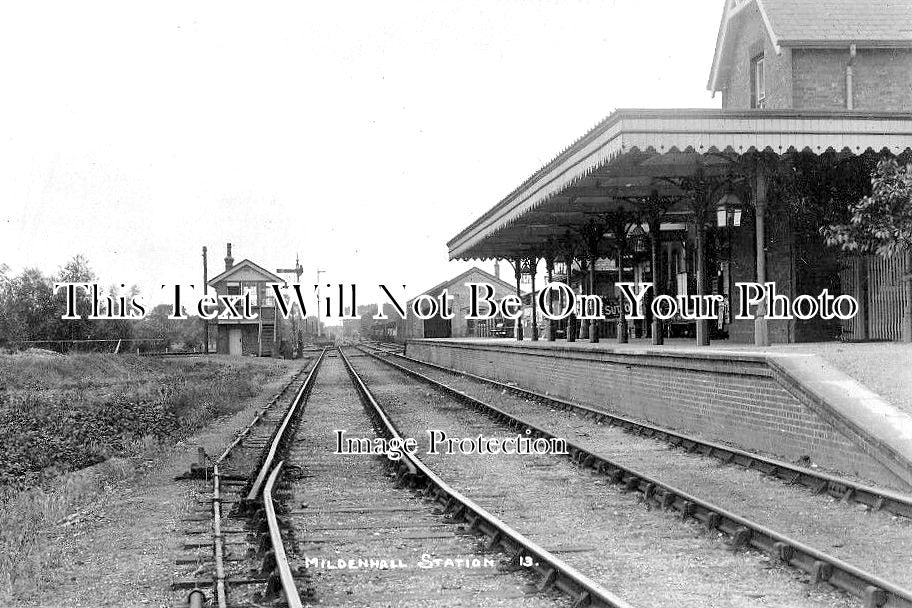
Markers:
{"x": 361, "y": 135}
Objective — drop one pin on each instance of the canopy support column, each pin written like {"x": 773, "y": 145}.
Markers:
{"x": 592, "y": 235}
{"x": 593, "y": 325}
{"x": 584, "y": 273}
{"x": 700, "y": 238}
{"x": 703, "y": 192}
{"x": 761, "y": 329}
{"x": 518, "y": 326}
{"x": 549, "y": 267}
{"x": 533, "y": 270}
{"x": 655, "y": 241}
{"x": 571, "y": 320}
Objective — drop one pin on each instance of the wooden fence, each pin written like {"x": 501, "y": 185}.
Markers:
{"x": 877, "y": 284}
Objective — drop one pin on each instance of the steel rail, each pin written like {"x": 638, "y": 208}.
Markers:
{"x": 873, "y": 590}
{"x": 256, "y": 419}
{"x": 818, "y": 482}
{"x": 279, "y": 435}
{"x": 218, "y": 540}
{"x": 220, "y": 592}
{"x": 288, "y": 585}
{"x": 555, "y": 571}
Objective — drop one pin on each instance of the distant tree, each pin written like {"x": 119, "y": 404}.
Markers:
{"x": 181, "y": 333}
{"x": 115, "y": 329}
{"x": 6, "y": 329}
{"x": 77, "y": 270}
{"x": 29, "y": 309}
{"x": 881, "y": 223}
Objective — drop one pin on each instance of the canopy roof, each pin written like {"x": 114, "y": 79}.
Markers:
{"x": 634, "y": 153}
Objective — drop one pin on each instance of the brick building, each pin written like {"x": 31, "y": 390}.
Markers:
{"x": 820, "y": 55}
{"x": 260, "y": 337}
{"x": 694, "y": 201}
{"x": 459, "y": 326}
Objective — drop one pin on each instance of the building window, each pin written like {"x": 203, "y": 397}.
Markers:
{"x": 234, "y": 289}
{"x": 252, "y": 292}
{"x": 758, "y": 82}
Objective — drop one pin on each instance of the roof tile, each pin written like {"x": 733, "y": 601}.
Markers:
{"x": 840, "y": 20}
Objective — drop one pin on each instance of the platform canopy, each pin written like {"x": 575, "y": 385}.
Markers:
{"x": 636, "y": 154}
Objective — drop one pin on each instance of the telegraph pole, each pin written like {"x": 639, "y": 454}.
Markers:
{"x": 205, "y": 291}
{"x": 319, "y": 332}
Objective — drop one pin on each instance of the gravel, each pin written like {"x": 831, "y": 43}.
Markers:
{"x": 346, "y": 506}
{"x": 878, "y": 542}
{"x": 648, "y": 557}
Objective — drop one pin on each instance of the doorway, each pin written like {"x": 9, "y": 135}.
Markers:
{"x": 234, "y": 341}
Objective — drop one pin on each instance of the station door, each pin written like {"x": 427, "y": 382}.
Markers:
{"x": 438, "y": 328}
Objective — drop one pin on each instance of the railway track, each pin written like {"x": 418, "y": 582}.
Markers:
{"x": 221, "y": 545}
{"x": 818, "y": 482}
{"x": 401, "y": 534}
{"x": 741, "y": 531}
{"x": 406, "y": 512}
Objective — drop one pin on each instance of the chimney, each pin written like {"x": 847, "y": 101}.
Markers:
{"x": 229, "y": 261}
{"x": 497, "y": 267}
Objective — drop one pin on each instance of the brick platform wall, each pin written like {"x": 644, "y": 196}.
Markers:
{"x": 734, "y": 400}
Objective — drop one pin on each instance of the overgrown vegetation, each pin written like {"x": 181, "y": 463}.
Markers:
{"x": 59, "y": 414}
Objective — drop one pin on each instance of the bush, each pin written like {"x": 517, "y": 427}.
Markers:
{"x": 53, "y": 421}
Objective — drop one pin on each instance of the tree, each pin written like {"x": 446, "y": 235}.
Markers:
{"x": 882, "y": 224}
{"x": 184, "y": 333}
{"x": 28, "y": 307}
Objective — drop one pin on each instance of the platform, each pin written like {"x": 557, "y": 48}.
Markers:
{"x": 786, "y": 402}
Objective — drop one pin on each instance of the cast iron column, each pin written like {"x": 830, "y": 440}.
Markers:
{"x": 593, "y": 325}
{"x": 533, "y": 268}
{"x": 622, "y": 337}
{"x": 517, "y": 265}
{"x": 700, "y": 238}
{"x": 761, "y": 330}
{"x": 549, "y": 266}
{"x": 571, "y": 320}
{"x": 584, "y": 290}
{"x": 655, "y": 238}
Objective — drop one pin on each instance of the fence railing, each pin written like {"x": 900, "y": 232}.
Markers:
{"x": 126, "y": 345}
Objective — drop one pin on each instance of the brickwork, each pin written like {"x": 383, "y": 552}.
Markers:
{"x": 883, "y": 80}
{"x": 750, "y": 38}
{"x": 820, "y": 78}
{"x": 460, "y": 302}
{"x": 732, "y": 399}
{"x": 814, "y": 78}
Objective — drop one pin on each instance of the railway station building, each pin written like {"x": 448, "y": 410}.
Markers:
{"x": 697, "y": 200}
{"x": 437, "y": 326}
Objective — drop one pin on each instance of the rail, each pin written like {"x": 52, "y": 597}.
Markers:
{"x": 555, "y": 571}
{"x": 288, "y": 586}
{"x": 818, "y": 482}
{"x": 873, "y": 590}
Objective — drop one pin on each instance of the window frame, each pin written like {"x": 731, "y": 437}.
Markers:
{"x": 758, "y": 82}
